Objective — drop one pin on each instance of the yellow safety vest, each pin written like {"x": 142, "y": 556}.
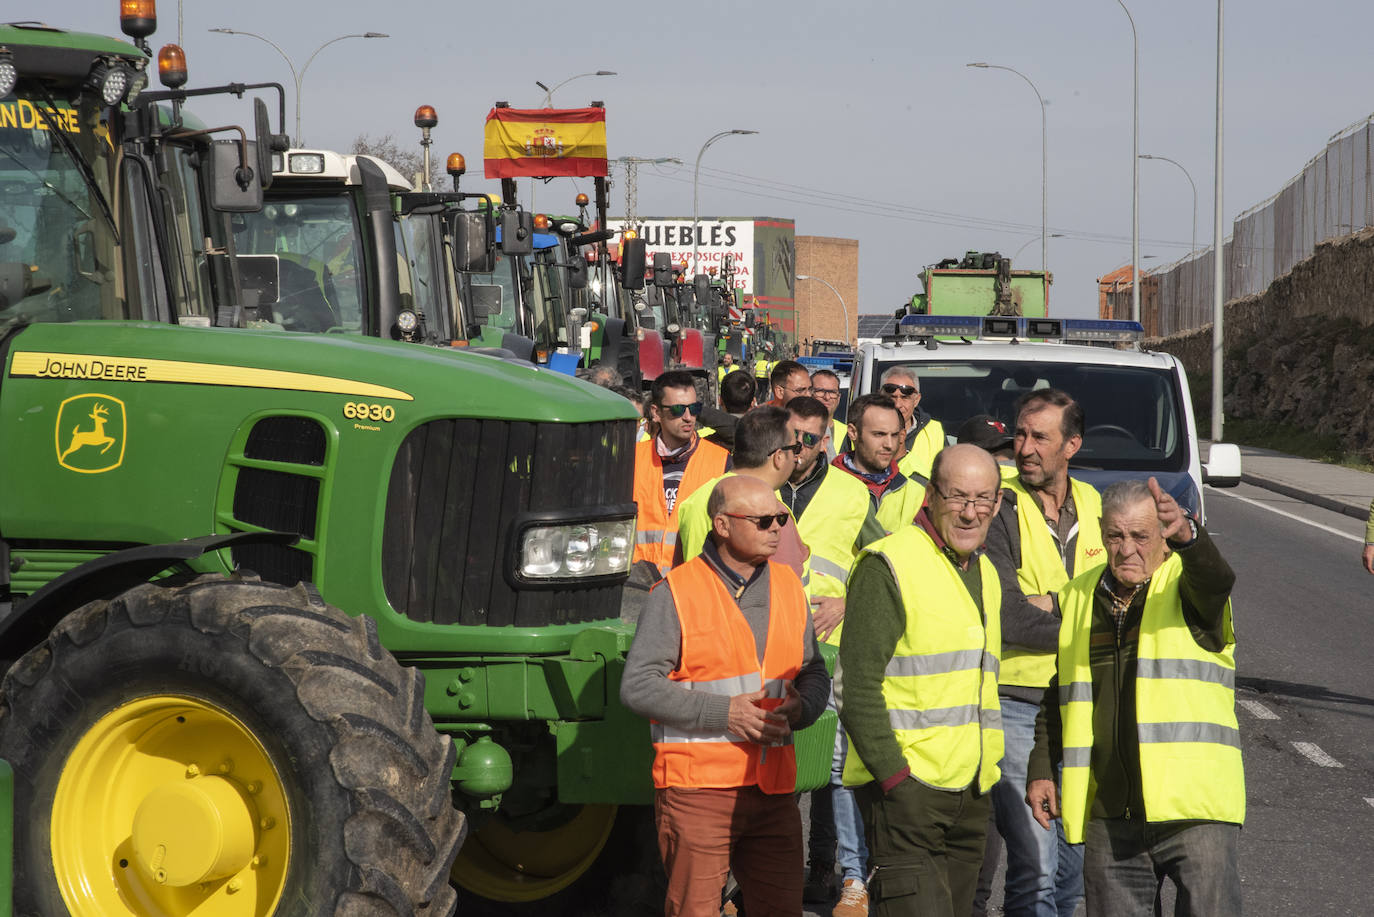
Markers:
{"x": 1190, "y": 761}
{"x": 1042, "y": 571}
{"x": 722, "y": 371}
{"x": 838, "y": 431}
{"x": 829, "y": 526}
{"x": 929, "y": 441}
{"x": 940, "y": 687}
{"x": 762, "y": 368}
{"x": 693, "y": 523}
{"x": 898, "y": 509}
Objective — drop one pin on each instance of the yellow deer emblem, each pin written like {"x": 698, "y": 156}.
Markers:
{"x": 89, "y": 446}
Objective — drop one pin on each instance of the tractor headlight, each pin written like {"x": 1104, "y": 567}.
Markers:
{"x": 111, "y": 81}
{"x": 553, "y": 552}
{"x": 8, "y": 74}
{"x": 407, "y": 321}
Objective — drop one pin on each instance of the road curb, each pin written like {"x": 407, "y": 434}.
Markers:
{"x": 1307, "y": 496}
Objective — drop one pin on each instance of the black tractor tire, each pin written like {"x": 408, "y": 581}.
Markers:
{"x": 372, "y": 828}
{"x": 626, "y": 880}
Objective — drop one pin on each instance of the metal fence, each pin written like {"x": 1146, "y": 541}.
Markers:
{"x": 1332, "y": 196}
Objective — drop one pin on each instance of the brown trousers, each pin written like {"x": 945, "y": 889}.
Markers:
{"x": 703, "y": 834}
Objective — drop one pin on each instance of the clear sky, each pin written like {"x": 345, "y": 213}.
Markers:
{"x": 870, "y": 125}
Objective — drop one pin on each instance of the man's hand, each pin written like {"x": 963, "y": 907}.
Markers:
{"x": 827, "y": 611}
{"x": 1172, "y": 521}
{"x": 1368, "y": 557}
{"x": 1043, "y": 798}
{"x": 1043, "y": 602}
{"x": 791, "y": 706}
{"x": 749, "y": 720}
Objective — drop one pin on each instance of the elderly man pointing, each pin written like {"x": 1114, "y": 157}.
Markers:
{"x": 725, "y": 664}
{"x": 1143, "y": 717}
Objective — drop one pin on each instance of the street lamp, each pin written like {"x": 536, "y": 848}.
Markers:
{"x": 837, "y": 296}
{"x": 1135, "y": 166}
{"x": 1190, "y": 181}
{"x": 1218, "y": 246}
{"x": 1053, "y": 235}
{"x": 299, "y": 77}
{"x": 1044, "y": 158}
{"x": 548, "y": 93}
{"x": 696, "y": 177}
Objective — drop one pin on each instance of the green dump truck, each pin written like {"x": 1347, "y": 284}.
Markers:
{"x": 981, "y": 283}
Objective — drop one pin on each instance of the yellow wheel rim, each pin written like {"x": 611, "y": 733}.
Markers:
{"x": 505, "y": 865}
{"x": 170, "y": 806}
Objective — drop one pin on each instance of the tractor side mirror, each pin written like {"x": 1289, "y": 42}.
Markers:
{"x": 632, "y": 264}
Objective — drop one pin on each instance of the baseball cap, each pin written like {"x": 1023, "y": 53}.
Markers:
{"x": 984, "y": 430}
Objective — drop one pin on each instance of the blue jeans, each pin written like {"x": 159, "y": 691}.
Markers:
{"x": 1044, "y": 871}
{"x": 837, "y": 830}
{"x": 1127, "y": 861}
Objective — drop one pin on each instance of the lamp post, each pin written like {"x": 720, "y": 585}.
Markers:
{"x": 1053, "y": 235}
{"x": 696, "y": 178}
{"x": 299, "y": 77}
{"x": 1135, "y": 166}
{"x": 1218, "y": 246}
{"x": 1190, "y": 182}
{"x": 548, "y": 93}
{"x": 1044, "y": 158}
{"x": 837, "y": 296}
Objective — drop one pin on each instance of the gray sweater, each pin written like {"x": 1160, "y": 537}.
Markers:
{"x": 657, "y": 650}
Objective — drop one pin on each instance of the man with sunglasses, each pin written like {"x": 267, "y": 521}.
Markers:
{"x": 1046, "y": 532}
{"x": 924, "y": 435}
{"x": 725, "y": 664}
{"x": 766, "y": 449}
{"x": 875, "y": 435}
{"x": 670, "y": 467}
{"x": 835, "y": 519}
{"x": 917, "y": 690}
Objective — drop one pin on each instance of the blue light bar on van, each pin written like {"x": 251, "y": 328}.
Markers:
{"x": 1101, "y": 329}
{"x": 925, "y": 326}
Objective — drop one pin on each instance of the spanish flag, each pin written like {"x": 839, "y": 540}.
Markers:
{"x": 544, "y": 142}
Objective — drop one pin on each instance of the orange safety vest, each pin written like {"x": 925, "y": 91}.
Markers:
{"x": 655, "y": 527}
{"x": 719, "y": 656}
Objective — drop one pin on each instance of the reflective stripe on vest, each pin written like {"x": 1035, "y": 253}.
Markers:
{"x": 1043, "y": 570}
{"x": 940, "y": 686}
{"x": 720, "y": 656}
{"x": 1190, "y": 756}
{"x": 656, "y": 528}
{"x": 829, "y": 526}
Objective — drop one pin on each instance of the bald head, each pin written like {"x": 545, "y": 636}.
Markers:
{"x": 964, "y": 456}
{"x": 737, "y": 505}
{"x": 732, "y": 491}
{"x": 965, "y": 492}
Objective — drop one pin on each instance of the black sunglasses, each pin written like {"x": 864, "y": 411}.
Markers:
{"x": 794, "y": 448}
{"x": 893, "y": 388}
{"x": 677, "y": 410}
{"x": 763, "y": 522}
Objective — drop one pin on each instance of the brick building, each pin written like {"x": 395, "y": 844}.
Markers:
{"x": 819, "y": 312}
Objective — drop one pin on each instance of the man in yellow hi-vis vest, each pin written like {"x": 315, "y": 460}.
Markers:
{"x": 1046, "y": 531}
{"x": 1142, "y": 715}
{"x": 917, "y": 691}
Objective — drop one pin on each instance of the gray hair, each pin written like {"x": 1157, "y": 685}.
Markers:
{"x": 1121, "y": 495}
{"x": 908, "y": 371}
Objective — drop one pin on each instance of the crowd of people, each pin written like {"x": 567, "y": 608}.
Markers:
{"x": 1023, "y": 662}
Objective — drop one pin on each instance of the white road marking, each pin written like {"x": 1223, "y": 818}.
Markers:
{"x": 1316, "y": 755}
{"x": 1258, "y": 710}
{"x": 1296, "y": 518}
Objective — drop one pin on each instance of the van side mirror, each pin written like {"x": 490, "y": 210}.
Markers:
{"x": 1222, "y": 468}
{"x": 632, "y": 264}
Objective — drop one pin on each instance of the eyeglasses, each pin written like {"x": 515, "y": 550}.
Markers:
{"x": 957, "y": 504}
{"x": 677, "y": 410}
{"x": 825, "y": 392}
{"x": 807, "y": 439}
{"x": 794, "y": 448}
{"x": 893, "y": 388}
{"x": 805, "y": 390}
{"x": 763, "y": 522}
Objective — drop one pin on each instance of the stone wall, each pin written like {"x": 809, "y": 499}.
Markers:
{"x": 1302, "y": 352}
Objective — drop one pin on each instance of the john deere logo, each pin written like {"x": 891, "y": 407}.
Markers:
{"x": 90, "y": 433}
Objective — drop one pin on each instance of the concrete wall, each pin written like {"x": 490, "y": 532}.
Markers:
{"x": 1302, "y": 352}
{"x": 819, "y": 314}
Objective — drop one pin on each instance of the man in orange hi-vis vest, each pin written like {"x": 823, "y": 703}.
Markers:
{"x": 669, "y": 466}
{"x": 725, "y": 665}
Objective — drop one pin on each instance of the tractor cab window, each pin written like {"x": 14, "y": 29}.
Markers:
{"x": 506, "y": 278}
{"x": 58, "y": 249}
{"x": 305, "y": 258}
{"x": 419, "y": 238}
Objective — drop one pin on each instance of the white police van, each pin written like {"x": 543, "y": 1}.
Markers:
{"x": 1138, "y": 417}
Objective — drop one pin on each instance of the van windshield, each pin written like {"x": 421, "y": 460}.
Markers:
{"x": 1133, "y": 416}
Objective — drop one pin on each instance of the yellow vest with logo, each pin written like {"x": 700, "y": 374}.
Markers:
{"x": 1190, "y": 760}
{"x": 940, "y": 687}
{"x": 829, "y": 527}
{"x": 1042, "y": 571}
{"x": 929, "y": 441}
